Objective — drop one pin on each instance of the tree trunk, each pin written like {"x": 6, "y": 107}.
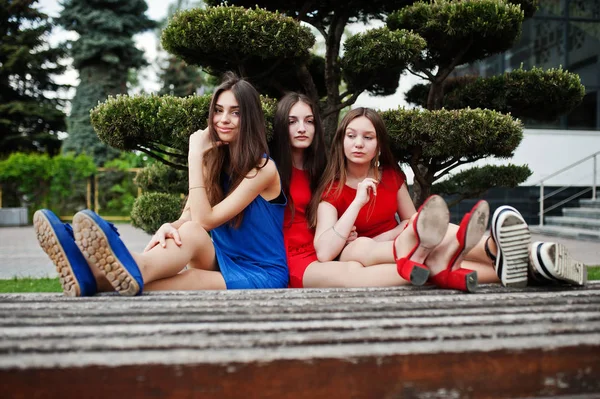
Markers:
{"x": 421, "y": 185}
{"x": 435, "y": 100}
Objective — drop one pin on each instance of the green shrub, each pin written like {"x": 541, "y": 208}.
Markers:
{"x": 368, "y": 56}
{"x": 440, "y": 138}
{"x": 254, "y": 37}
{"x": 535, "y": 94}
{"x": 159, "y": 177}
{"x": 151, "y": 210}
{"x": 475, "y": 181}
{"x": 158, "y": 126}
{"x": 40, "y": 181}
{"x": 470, "y": 29}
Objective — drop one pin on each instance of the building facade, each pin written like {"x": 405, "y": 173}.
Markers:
{"x": 561, "y": 33}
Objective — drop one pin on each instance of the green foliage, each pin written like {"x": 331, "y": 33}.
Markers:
{"x": 256, "y": 40}
{"x": 180, "y": 79}
{"x": 104, "y": 52}
{"x": 151, "y": 210}
{"x": 535, "y": 94}
{"x": 374, "y": 60}
{"x": 30, "y": 285}
{"x": 162, "y": 178}
{"x": 460, "y": 31}
{"x": 40, "y": 181}
{"x": 417, "y": 95}
{"x": 29, "y": 119}
{"x": 157, "y": 125}
{"x": 443, "y": 137}
{"x": 474, "y": 182}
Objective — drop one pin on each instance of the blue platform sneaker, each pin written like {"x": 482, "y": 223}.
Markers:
{"x": 101, "y": 245}
{"x": 57, "y": 240}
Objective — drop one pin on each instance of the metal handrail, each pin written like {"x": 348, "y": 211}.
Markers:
{"x": 541, "y": 183}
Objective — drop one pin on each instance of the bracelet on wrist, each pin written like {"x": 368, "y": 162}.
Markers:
{"x": 338, "y": 234}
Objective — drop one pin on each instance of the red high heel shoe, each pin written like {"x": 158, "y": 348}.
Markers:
{"x": 430, "y": 227}
{"x": 471, "y": 229}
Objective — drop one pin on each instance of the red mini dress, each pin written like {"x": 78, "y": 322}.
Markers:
{"x": 298, "y": 236}
{"x": 379, "y": 214}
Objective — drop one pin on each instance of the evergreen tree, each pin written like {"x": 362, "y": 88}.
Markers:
{"x": 103, "y": 55}
{"x": 177, "y": 77}
{"x": 29, "y": 118}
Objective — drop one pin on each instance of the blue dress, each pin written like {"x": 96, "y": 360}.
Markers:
{"x": 253, "y": 255}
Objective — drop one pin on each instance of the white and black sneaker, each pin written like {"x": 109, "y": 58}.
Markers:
{"x": 511, "y": 235}
{"x": 550, "y": 262}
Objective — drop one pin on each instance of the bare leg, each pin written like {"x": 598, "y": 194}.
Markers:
{"x": 478, "y": 254}
{"x": 370, "y": 252}
{"x": 351, "y": 274}
{"x": 160, "y": 263}
{"x": 192, "y": 279}
{"x": 441, "y": 255}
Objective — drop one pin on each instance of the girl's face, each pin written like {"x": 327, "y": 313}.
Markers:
{"x": 301, "y": 126}
{"x": 226, "y": 117}
{"x": 360, "y": 141}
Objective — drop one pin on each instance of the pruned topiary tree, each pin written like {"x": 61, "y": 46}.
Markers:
{"x": 265, "y": 42}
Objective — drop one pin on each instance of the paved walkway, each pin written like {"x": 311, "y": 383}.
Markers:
{"x": 21, "y": 256}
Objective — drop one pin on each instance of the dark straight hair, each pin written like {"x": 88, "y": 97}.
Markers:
{"x": 315, "y": 156}
{"x": 246, "y": 152}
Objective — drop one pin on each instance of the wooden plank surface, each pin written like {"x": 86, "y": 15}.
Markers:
{"x": 392, "y": 342}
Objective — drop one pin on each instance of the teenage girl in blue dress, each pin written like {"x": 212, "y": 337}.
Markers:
{"x": 234, "y": 193}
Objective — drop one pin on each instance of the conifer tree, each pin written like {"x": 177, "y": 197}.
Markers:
{"x": 103, "y": 54}
{"x": 30, "y": 118}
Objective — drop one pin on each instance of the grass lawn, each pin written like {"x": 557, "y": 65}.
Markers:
{"x": 53, "y": 285}
{"x": 30, "y": 285}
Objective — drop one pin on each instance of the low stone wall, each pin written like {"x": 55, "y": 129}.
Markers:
{"x": 13, "y": 217}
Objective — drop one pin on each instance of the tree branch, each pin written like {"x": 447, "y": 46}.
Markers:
{"x": 153, "y": 146}
{"x": 160, "y": 159}
{"x": 443, "y": 73}
{"x": 342, "y": 105}
{"x": 428, "y": 77}
{"x": 447, "y": 170}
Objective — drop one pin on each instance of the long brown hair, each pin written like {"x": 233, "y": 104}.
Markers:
{"x": 335, "y": 172}
{"x": 315, "y": 156}
{"x": 243, "y": 155}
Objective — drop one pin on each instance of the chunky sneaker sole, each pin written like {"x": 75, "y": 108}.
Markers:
{"x": 101, "y": 246}
{"x": 511, "y": 234}
{"x": 75, "y": 275}
{"x": 551, "y": 261}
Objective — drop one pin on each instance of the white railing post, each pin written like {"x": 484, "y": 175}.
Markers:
{"x": 594, "y": 181}
{"x": 541, "y": 203}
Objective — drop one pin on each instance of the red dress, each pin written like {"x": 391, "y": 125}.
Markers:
{"x": 379, "y": 214}
{"x": 298, "y": 237}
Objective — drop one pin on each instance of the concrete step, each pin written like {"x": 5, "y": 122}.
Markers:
{"x": 589, "y": 203}
{"x": 588, "y": 213}
{"x": 567, "y": 232}
{"x": 579, "y": 222}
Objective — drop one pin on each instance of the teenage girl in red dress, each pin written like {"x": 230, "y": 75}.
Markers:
{"x": 363, "y": 188}
{"x": 298, "y": 148}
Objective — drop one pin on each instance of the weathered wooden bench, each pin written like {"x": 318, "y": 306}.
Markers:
{"x": 390, "y": 343}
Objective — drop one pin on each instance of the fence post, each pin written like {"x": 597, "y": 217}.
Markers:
{"x": 593, "y": 183}
{"x": 541, "y": 203}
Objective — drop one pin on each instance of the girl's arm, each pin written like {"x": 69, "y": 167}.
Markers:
{"x": 259, "y": 181}
{"x": 406, "y": 209}
{"x": 332, "y": 233}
